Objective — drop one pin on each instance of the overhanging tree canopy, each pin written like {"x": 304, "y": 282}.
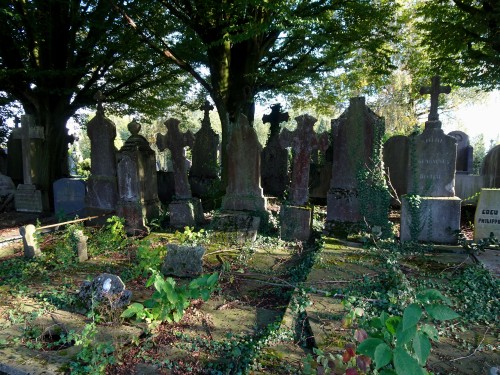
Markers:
{"x": 55, "y": 55}
{"x": 238, "y": 49}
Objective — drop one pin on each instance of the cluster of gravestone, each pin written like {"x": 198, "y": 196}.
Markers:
{"x": 127, "y": 182}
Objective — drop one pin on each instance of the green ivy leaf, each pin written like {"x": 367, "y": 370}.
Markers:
{"x": 405, "y": 364}
{"x": 212, "y": 280}
{"x": 388, "y": 372}
{"x": 421, "y": 347}
{"x": 382, "y": 355}
{"x": 441, "y": 312}
{"x": 431, "y": 295}
{"x": 368, "y": 346}
{"x": 411, "y": 316}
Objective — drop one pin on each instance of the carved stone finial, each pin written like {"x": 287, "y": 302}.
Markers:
{"x": 99, "y": 97}
{"x": 134, "y": 127}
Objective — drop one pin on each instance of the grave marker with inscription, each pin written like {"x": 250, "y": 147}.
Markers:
{"x": 432, "y": 177}
{"x": 487, "y": 217}
{"x": 69, "y": 197}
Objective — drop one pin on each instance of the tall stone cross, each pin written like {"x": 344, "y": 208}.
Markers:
{"x": 28, "y": 132}
{"x": 99, "y": 98}
{"x": 275, "y": 118}
{"x": 206, "y": 108}
{"x": 175, "y": 141}
{"x": 303, "y": 140}
{"x": 435, "y": 89}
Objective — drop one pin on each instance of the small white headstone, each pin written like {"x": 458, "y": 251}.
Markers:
{"x": 487, "y": 218}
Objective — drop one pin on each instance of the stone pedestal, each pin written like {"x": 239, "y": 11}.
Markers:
{"x": 296, "y": 223}
{"x": 343, "y": 205}
{"x": 487, "y": 217}
{"x": 435, "y": 220}
{"x": 244, "y": 202}
{"x": 28, "y": 199}
{"x": 186, "y": 212}
{"x": 237, "y": 226}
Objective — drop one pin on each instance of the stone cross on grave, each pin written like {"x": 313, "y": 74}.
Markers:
{"x": 175, "y": 141}
{"x": 303, "y": 141}
{"x": 206, "y": 108}
{"x": 275, "y": 118}
{"x": 99, "y": 98}
{"x": 435, "y": 89}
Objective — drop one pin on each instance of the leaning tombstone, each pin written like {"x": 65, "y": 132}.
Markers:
{"x": 204, "y": 172}
{"x": 102, "y": 186}
{"x": 107, "y": 289}
{"x": 183, "y": 261}
{"x": 430, "y": 211}
{"x": 69, "y": 197}
{"x": 487, "y": 217}
{"x": 296, "y": 217}
{"x": 395, "y": 156}
{"x": 274, "y": 159}
{"x": 30, "y": 242}
{"x": 79, "y": 244}
{"x": 138, "y": 201}
{"x": 27, "y": 197}
{"x": 184, "y": 209}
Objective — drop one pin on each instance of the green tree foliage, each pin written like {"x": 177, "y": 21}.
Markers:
{"x": 462, "y": 40}
{"x": 55, "y": 55}
{"x": 241, "y": 49}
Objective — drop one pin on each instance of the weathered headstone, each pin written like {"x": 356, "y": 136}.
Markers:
{"x": 79, "y": 243}
{"x": 184, "y": 209}
{"x": 431, "y": 176}
{"x": 274, "y": 159}
{"x": 137, "y": 186}
{"x": 105, "y": 288}
{"x": 166, "y": 186}
{"x": 7, "y": 191}
{"x": 320, "y": 176}
{"x": 465, "y": 153}
{"x": 183, "y": 261}
{"x": 27, "y": 197}
{"x": 490, "y": 170}
{"x": 30, "y": 243}
{"x": 487, "y": 217}
{"x": 354, "y": 136}
{"x": 102, "y": 185}
{"x": 69, "y": 197}
{"x": 303, "y": 141}
{"x": 395, "y": 154}
{"x": 236, "y": 226}
{"x": 243, "y": 190}
{"x": 204, "y": 171}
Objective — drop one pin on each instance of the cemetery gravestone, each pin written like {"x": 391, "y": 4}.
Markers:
{"x": 487, "y": 217}
{"x": 321, "y": 175}
{"x": 354, "y": 135}
{"x": 80, "y": 242}
{"x": 183, "y": 261}
{"x": 465, "y": 159}
{"x": 204, "y": 171}
{"x": 274, "y": 166}
{"x": 102, "y": 185}
{"x": 7, "y": 191}
{"x": 244, "y": 192}
{"x": 432, "y": 177}
{"x": 184, "y": 209}
{"x": 296, "y": 221}
{"x": 395, "y": 155}
{"x": 491, "y": 168}
{"x": 105, "y": 288}
{"x": 30, "y": 243}
{"x": 27, "y": 197}
{"x": 3, "y": 161}
{"x": 69, "y": 197}
{"x": 137, "y": 186}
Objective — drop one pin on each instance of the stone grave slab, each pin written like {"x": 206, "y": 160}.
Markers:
{"x": 236, "y": 226}
{"x": 69, "y": 197}
{"x": 487, "y": 217}
{"x": 395, "y": 156}
{"x": 28, "y": 199}
{"x": 186, "y": 212}
{"x": 436, "y": 220}
{"x": 183, "y": 261}
{"x": 490, "y": 169}
{"x": 296, "y": 223}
